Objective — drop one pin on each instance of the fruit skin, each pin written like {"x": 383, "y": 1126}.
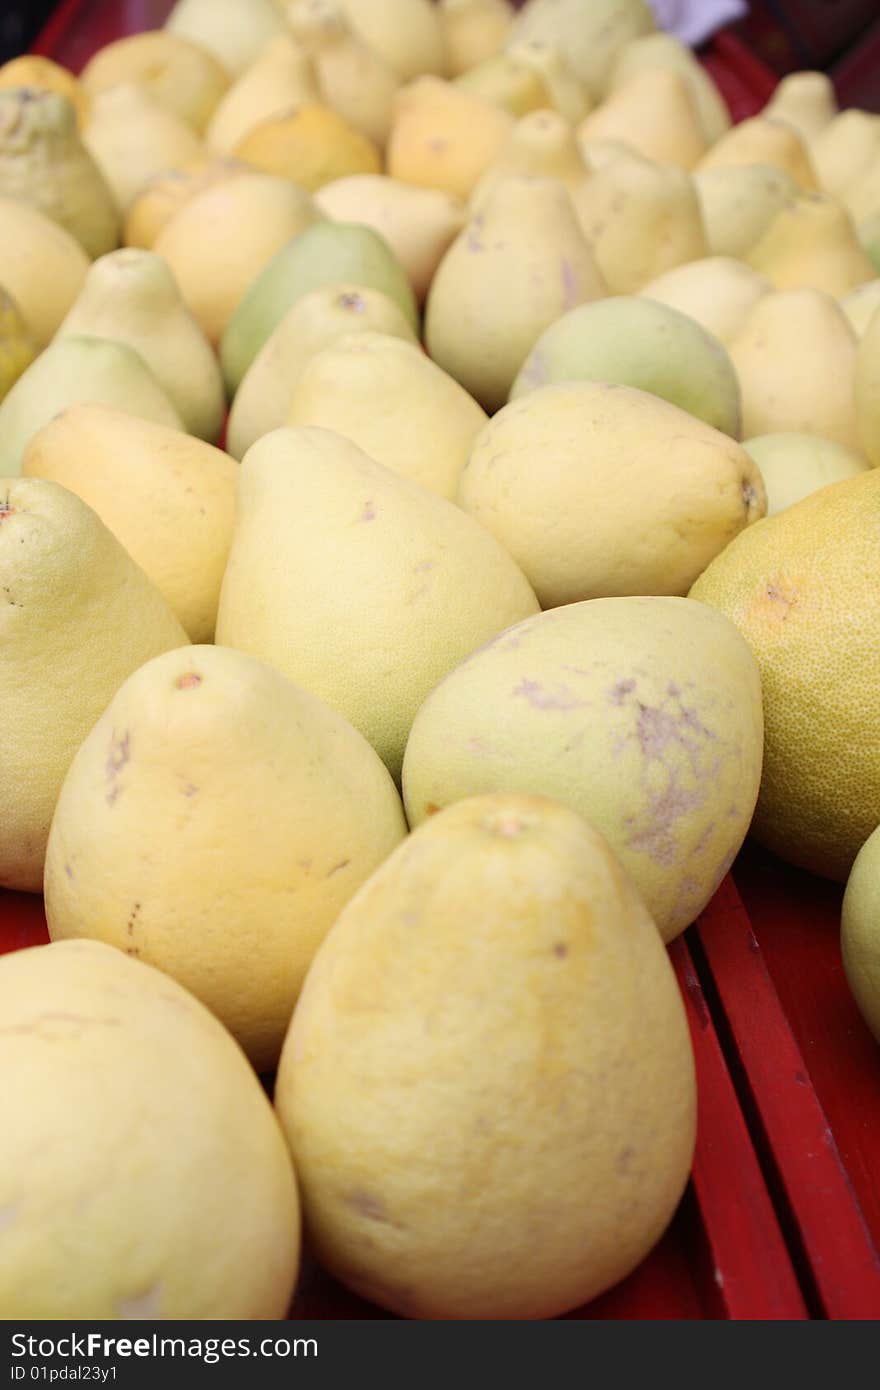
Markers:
{"x": 860, "y": 931}
{"x": 17, "y": 347}
{"x": 216, "y": 760}
{"x": 500, "y": 968}
{"x": 800, "y": 588}
{"x": 867, "y": 392}
{"x": 764, "y": 140}
{"x": 132, "y": 137}
{"x": 132, "y": 297}
{"x": 72, "y": 369}
{"x": 326, "y": 254}
{"x": 520, "y": 263}
{"x": 638, "y": 713}
{"x": 599, "y": 490}
{"x": 311, "y": 145}
{"x": 45, "y": 75}
{"x": 143, "y": 1173}
{"x": 418, "y": 223}
{"x": 77, "y": 616}
{"x": 359, "y": 585}
{"x": 793, "y": 465}
{"x": 738, "y": 202}
{"x": 444, "y": 138}
{"x": 234, "y": 33}
{"x": 384, "y": 393}
{"x": 218, "y": 242}
{"x": 43, "y": 161}
{"x": 717, "y": 291}
{"x": 591, "y": 33}
{"x": 313, "y": 322}
{"x": 654, "y": 111}
{"x": 41, "y": 265}
{"x": 631, "y": 341}
{"x": 181, "y": 75}
{"x": 795, "y": 356}
{"x": 169, "y": 498}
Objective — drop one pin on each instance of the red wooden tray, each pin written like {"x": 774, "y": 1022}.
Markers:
{"x": 781, "y": 1219}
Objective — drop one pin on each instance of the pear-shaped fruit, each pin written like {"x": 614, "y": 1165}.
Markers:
{"x": 795, "y": 356}
{"x": 844, "y": 150}
{"x": 76, "y": 369}
{"x": 507, "y": 923}
{"x": 78, "y": 616}
{"x": 565, "y": 91}
{"x": 521, "y": 261}
{"x": 406, "y": 34}
{"x": 280, "y": 79}
{"x": 473, "y": 30}
{"x": 132, "y": 138}
{"x": 443, "y": 137}
{"x": 812, "y": 243}
{"x": 565, "y": 478}
{"x": 361, "y": 586}
{"x": 590, "y": 33}
{"x": 44, "y": 75}
{"x": 169, "y": 498}
{"x": 312, "y": 145}
{"x": 351, "y": 76}
{"x": 329, "y": 253}
{"x": 17, "y": 346}
{"x": 717, "y": 291}
{"x": 738, "y": 202}
{"x": 859, "y": 305}
{"x": 159, "y": 199}
{"x": 806, "y": 100}
{"x": 633, "y": 341}
{"x": 44, "y": 162}
{"x": 793, "y": 465}
{"x": 859, "y": 936}
{"x": 388, "y": 397}
{"x": 640, "y": 218}
{"x": 867, "y": 390}
{"x": 642, "y": 714}
{"x": 163, "y": 1180}
{"x": 542, "y": 145}
{"x": 183, "y": 76}
{"x": 663, "y": 50}
{"x": 42, "y": 266}
{"x": 862, "y": 197}
{"x": 654, "y": 112}
{"x": 763, "y": 140}
{"x": 417, "y": 223}
{"x": 313, "y": 322}
{"x": 132, "y": 297}
{"x": 235, "y": 31}
{"x": 229, "y": 765}
{"x": 507, "y": 81}
{"x": 220, "y": 240}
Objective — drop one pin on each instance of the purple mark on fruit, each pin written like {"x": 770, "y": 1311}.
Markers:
{"x": 353, "y": 301}
{"x": 534, "y": 372}
{"x": 369, "y": 511}
{"x": 570, "y": 291}
{"x": 656, "y": 836}
{"x": 539, "y": 697}
{"x": 118, "y": 756}
{"x": 474, "y": 241}
{"x": 69, "y": 871}
{"x": 620, "y": 690}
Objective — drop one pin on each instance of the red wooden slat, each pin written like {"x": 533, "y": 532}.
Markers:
{"x": 823, "y": 1205}
{"x": 78, "y": 28}
{"x": 751, "y": 1264}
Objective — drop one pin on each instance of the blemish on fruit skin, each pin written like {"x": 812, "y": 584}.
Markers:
{"x": 624, "y": 1160}
{"x": 560, "y": 950}
{"x": 474, "y": 241}
{"x": 618, "y": 692}
{"x": 539, "y": 697}
{"x": 369, "y": 511}
{"x": 142, "y": 1306}
{"x": 69, "y": 871}
{"x": 188, "y": 681}
{"x": 367, "y": 1204}
{"x": 431, "y": 809}
{"x": 337, "y": 868}
{"x": 118, "y": 756}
